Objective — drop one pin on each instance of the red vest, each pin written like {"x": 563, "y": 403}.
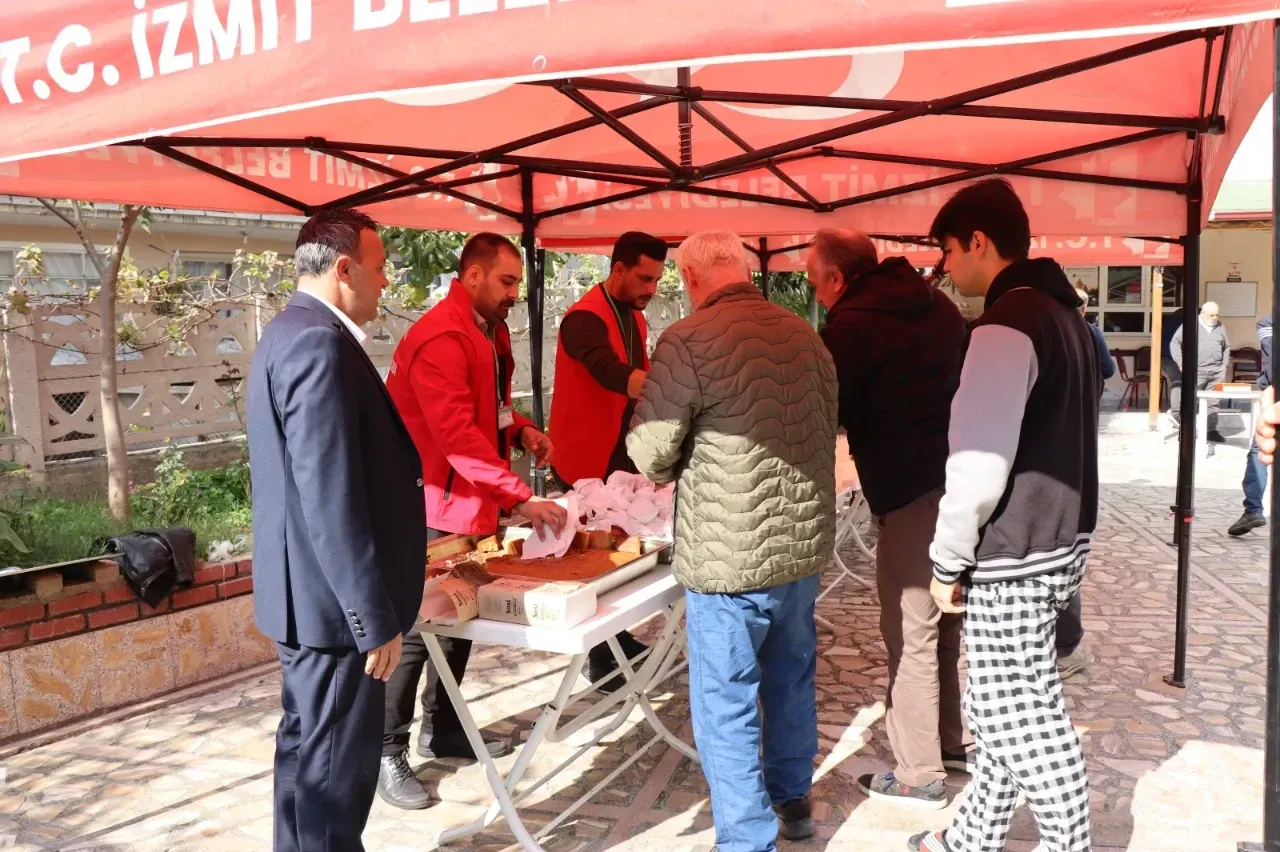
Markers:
{"x": 454, "y": 503}
{"x": 585, "y": 417}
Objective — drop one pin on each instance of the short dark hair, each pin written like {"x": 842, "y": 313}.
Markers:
{"x": 482, "y": 249}
{"x": 633, "y": 245}
{"x": 328, "y": 234}
{"x": 992, "y": 207}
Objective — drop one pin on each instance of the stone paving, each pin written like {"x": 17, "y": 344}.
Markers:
{"x": 1170, "y": 770}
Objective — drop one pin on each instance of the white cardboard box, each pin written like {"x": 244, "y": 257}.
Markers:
{"x": 537, "y": 602}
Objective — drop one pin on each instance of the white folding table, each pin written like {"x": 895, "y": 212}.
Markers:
{"x": 1253, "y": 397}
{"x": 852, "y": 513}
{"x": 653, "y": 593}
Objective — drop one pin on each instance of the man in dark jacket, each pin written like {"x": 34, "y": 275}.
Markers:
{"x": 897, "y": 344}
{"x": 1211, "y": 366}
{"x": 1016, "y": 520}
{"x": 1255, "y": 472}
{"x": 339, "y": 532}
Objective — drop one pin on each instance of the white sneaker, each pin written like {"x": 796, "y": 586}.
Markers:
{"x": 1075, "y": 662}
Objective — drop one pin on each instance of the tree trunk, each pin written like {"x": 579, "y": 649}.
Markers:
{"x": 108, "y": 385}
{"x": 108, "y": 270}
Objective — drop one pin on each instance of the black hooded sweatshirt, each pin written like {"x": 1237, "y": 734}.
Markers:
{"x": 897, "y": 344}
{"x": 1022, "y": 478}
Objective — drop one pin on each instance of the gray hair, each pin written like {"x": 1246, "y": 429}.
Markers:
{"x": 326, "y": 236}
{"x": 849, "y": 252}
{"x": 712, "y": 253}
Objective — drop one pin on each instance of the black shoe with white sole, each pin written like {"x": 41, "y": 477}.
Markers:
{"x": 960, "y": 761}
{"x": 456, "y": 746}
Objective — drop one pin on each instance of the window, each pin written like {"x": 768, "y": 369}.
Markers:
{"x": 1120, "y": 296}
{"x": 66, "y": 272}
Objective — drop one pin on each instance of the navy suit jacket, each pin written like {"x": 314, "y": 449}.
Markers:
{"x": 339, "y": 520}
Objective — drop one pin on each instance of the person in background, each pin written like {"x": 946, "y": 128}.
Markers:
{"x": 1106, "y": 363}
{"x": 1172, "y": 374}
{"x": 1255, "y": 472}
{"x": 1211, "y": 366}
{"x": 450, "y": 379}
{"x": 887, "y": 329}
{"x": 601, "y": 363}
{"x": 1074, "y": 655}
{"x": 1016, "y": 520}
{"x": 339, "y": 532}
{"x": 739, "y": 409}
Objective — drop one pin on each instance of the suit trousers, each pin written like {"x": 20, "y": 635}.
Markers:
{"x": 438, "y": 713}
{"x": 326, "y": 764}
{"x": 923, "y": 712}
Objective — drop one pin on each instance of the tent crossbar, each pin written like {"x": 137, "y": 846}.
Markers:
{"x": 945, "y": 105}
{"x": 1056, "y": 116}
{"x": 1223, "y": 56}
{"x": 1048, "y": 174}
{"x": 489, "y": 154}
{"x": 675, "y": 186}
{"x": 444, "y": 188}
{"x": 239, "y": 180}
{"x": 728, "y": 132}
{"x": 1001, "y": 168}
{"x": 616, "y": 125}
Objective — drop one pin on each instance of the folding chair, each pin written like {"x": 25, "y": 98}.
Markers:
{"x": 853, "y": 515}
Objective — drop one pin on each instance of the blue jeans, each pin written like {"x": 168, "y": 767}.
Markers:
{"x": 756, "y": 645}
{"x": 1255, "y": 481}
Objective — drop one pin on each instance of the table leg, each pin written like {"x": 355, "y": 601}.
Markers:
{"x": 671, "y": 651}
{"x": 1202, "y": 427}
{"x": 502, "y": 788}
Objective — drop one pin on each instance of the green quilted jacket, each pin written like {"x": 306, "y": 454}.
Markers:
{"x": 740, "y": 410}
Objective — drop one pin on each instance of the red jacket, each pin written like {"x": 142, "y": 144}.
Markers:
{"x": 584, "y": 414}
{"x": 443, "y": 382}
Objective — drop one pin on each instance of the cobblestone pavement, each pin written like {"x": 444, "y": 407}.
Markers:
{"x": 1170, "y": 769}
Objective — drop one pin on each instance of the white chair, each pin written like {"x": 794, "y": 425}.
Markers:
{"x": 853, "y": 518}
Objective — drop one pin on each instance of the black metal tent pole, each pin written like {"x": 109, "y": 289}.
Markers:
{"x": 1271, "y": 761}
{"x": 535, "y": 260}
{"x": 1185, "y": 508}
{"x": 1271, "y": 803}
{"x": 764, "y": 266}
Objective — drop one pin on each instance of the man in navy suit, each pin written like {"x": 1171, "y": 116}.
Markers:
{"x": 339, "y": 533}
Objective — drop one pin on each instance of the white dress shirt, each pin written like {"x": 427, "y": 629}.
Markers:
{"x": 356, "y": 331}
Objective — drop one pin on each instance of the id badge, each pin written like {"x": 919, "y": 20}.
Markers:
{"x": 506, "y": 417}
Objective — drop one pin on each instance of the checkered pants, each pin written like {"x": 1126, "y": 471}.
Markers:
{"x": 1015, "y": 707}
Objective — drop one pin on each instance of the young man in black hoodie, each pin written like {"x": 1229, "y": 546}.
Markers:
{"x": 889, "y": 331}
{"x": 1016, "y": 520}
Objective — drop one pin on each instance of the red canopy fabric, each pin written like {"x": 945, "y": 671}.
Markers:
{"x": 863, "y": 114}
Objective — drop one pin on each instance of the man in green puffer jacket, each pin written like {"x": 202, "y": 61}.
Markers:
{"x": 739, "y": 408}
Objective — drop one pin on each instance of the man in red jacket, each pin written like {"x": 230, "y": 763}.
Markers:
{"x": 450, "y": 380}
{"x": 601, "y": 363}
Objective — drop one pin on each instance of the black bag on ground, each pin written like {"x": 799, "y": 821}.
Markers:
{"x": 155, "y": 562}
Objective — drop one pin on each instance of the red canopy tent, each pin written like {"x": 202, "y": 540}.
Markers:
{"x": 573, "y": 120}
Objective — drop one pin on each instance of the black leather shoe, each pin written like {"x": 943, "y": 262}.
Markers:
{"x": 398, "y": 786}
{"x": 795, "y": 819}
{"x": 601, "y": 665}
{"x": 456, "y": 746}
{"x": 1248, "y": 522}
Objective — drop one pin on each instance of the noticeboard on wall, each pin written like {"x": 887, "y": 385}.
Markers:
{"x": 1234, "y": 298}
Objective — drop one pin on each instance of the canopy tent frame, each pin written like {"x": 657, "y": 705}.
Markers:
{"x": 686, "y": 176}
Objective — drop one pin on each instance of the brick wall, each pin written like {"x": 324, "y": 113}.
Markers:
{"x": 54, "y": 604}
{"x": 76, "y": 643}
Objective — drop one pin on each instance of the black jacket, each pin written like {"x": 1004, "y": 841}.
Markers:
{"x": 339, "y": 518}
{"x": 1022, "y": 478}
{"x": 897, "y": 344}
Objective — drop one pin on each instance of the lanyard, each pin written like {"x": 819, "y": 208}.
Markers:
{"x": 624, "y": 329}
